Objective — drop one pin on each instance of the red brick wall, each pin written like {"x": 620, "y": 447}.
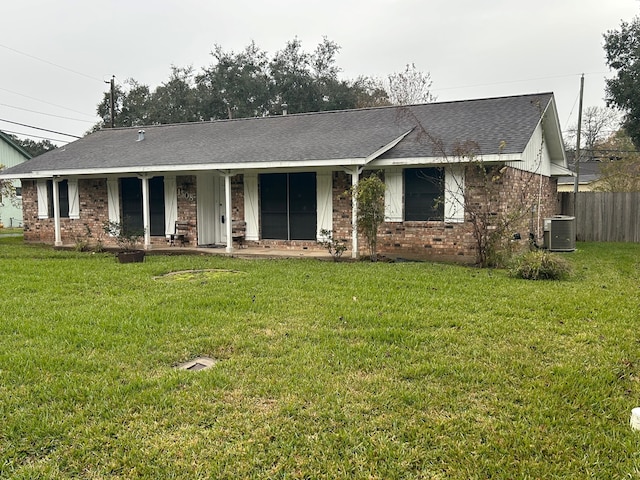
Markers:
{"x": 187, "y": 209}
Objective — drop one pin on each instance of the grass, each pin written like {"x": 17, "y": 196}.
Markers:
{"x": 324, "y": 370}
{"x": 10, "y": 231}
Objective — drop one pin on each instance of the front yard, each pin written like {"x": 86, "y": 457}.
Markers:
{"x": 322, "y": 369}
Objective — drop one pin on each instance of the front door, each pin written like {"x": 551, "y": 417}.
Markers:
{"x": 211, "y": 209}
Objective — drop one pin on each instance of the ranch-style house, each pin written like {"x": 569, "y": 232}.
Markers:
{"x": 286, "y": 178}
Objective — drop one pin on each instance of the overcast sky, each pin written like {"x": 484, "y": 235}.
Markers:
{"x": 472, "y": 48}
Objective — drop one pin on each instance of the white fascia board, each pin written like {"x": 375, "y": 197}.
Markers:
{"x": 395, "y": 162}
{"x": 560, "y": 171}
{"x": 237, "y": 167}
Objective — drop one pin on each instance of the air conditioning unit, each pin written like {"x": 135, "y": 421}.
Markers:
{"x": 560, "y": 233}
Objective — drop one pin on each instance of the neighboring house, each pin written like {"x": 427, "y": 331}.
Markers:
{"x": 287, "y": 177}
{"x": 11, "y": 154}
{"x": 588, "y": 178}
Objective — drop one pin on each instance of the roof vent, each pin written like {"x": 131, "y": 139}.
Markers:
{"x": 140, "y": 135}
{"x": 284, "y": 109}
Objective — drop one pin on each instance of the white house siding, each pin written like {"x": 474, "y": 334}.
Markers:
{"x": 535, "y": 158}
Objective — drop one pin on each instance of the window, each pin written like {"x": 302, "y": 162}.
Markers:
{"x": 131, "y": 190}
{"x": 63, "y": 197}
{"x": 288, "y": 206}
{"x": 423, "y": 194}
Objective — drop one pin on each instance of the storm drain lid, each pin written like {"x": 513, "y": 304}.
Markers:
{"x": 196, "y": 364}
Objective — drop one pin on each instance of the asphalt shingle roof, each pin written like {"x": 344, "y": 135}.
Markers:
{"x": 347, "y": 134}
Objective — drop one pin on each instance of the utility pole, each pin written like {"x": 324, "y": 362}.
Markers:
{"x": 576, "y": 180}
{"x": 112, "y": 101}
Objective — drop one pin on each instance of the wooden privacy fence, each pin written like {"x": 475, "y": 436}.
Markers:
{"x": 604, "y": 216}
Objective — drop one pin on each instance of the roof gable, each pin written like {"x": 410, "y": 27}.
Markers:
{"x": 11, "y": 143}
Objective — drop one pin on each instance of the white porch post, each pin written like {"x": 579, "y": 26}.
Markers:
{"x": 227, "y": 214}
{"x": 355, "y": 178}
{"x": 146, "y": 223}
{"x": 56, "y": 213}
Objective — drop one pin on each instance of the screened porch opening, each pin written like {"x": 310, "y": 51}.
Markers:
{"x": 131, "y": 192}
{"x": 288, "y": 206}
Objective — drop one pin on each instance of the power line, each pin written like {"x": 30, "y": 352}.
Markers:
{"x": 515, "y": 81}
{"x": 47, "y": 114}
{"x": 35, "y": 136}
{"x": 53, "y": 64}
{"x": 38, "y": 128}
{"x": 44, "y": 101}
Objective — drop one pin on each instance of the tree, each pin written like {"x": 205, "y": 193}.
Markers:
{"x": 236, "y": 85}
{"x": 7, "y": 190}
{"x": 370, "y": 93}
{"x": 250, "y": 84}
{"x": 620, "y": 167}
{"x": 410, "y": 86}
{"x": 369, "y": 195}
{"x": 622, "y": 49}
{"x": 597, "y": 124}
{"x": 175, "y": 101}
{"x": 32, "y": 147}
{"x": 309, "y": 82}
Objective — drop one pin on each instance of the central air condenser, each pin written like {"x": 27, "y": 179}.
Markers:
{"x": 560, "y": 233}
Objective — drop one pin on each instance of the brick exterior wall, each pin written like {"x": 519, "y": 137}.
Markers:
{"x": 438, "y": 241}
{"x": 441, "y": 241}
{"x": 93, "y": 213}
{"x": 187, "y": 210}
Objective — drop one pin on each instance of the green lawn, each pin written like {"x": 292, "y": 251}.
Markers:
{"x": 324, "y": 370}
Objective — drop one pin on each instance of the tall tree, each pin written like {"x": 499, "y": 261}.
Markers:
{"x": 293, "y": 82}
{"x": 236, "y": 85}
{"x": 622, "y": 49}
{"x": 249, "y": 84}
{"x": 175, "y": 100}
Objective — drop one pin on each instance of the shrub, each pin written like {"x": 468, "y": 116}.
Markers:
{"x": 540, "y": 265}
{"x": 335, "y": 247}
{"x": 369, "y": 195}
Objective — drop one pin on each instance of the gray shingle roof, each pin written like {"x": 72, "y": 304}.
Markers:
{"x": 303, "y": 138}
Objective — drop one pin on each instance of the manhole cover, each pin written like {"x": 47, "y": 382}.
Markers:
{"x": 196, "y": 364}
